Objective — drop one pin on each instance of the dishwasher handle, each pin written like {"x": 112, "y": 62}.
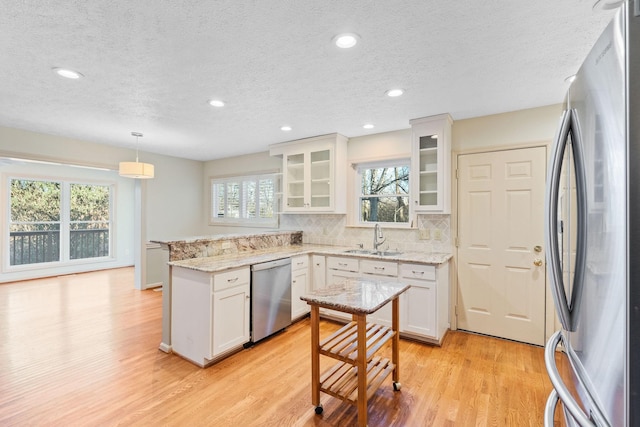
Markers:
{"x": 271, "y": 264}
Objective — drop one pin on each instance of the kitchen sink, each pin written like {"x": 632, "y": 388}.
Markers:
{"x": 370, "y": 252}
{"x": 358, "y": 251}
{"x": 387, "y": 253}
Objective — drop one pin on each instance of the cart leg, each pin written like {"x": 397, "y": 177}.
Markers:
{"x": 361, "y": 363}
{"x": 315, "y": 356}
{"x": 395, "y": 343}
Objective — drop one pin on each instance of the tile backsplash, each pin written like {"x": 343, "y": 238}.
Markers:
{"x": 331, "y": 229}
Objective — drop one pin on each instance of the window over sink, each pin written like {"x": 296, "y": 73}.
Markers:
{"x": 383, "y": 192}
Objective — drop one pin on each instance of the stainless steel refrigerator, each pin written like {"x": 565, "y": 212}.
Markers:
{"x": 593, "y": 235}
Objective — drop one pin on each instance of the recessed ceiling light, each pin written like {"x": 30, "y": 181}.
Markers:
{"x": 394, "y": 92}
{"x": 66, "y": 73}
{"x": 286, "y": 128}
{"x": 368, "y": 126}
{"x": 346, "y": 40}
{"x": 216, "y": 103}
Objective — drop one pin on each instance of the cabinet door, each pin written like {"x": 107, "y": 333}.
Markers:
{"x": 430, "y": 168}
{"x": 419, "y": 312}
{"x": 320, "y": 177}
{"x": 299, "y": 286}
{"x": 295, "y": 181}
{"x": 231, "y": 309}
{"x": 318, "y": 269}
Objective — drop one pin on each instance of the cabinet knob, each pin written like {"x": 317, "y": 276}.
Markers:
{"x": 537, "y": 262}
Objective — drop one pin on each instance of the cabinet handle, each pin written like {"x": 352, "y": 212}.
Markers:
{"x": 300, "y": 263}
{"x": 342, "y": 264}
{"x": 293, "y": 281}
{"x": 417, "y": 272}
{"x": 235, "y": 279}
{"x": 378, "y": 268}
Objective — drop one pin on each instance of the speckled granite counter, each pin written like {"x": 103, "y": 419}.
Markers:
{"x": 356, "y": 296}
{"x": 225, "y": 262}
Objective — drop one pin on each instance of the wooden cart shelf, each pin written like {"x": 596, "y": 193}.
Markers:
{"x": 341, "y": 381}
{"x": 343, "y": 344}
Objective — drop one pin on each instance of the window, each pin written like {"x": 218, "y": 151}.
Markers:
{"x": 53, "y": 221}
{"x": 383, "y": 192}
{"x": 244, "y": 200}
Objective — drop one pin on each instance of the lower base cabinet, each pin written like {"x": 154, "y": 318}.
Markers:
{"x": 424, "y": 308}
{"x": 210, "y": 313}
{"x": 299, "y": 286}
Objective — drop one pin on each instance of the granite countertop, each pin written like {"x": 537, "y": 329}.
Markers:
{"x": 243, "y": 259}
{"x": 228, "y": 236}
{"x": 356, "y": 296}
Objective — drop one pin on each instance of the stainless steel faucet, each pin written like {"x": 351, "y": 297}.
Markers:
{"x": 378, "y": 238}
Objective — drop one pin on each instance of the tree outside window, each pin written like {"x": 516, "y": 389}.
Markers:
{"x": 384, "y": 192}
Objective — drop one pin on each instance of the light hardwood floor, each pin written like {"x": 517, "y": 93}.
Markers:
{"x": 83, "y": 350}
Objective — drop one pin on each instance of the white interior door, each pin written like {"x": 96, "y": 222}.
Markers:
{"x": 501, "y": 271}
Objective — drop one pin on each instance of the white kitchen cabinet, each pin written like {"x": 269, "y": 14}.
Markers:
{"x": 431, "y": 164}
{"x": 338, "y": 270}
{"x": 318, "y": 271}
{"x": 314, "y": 174}
{"x": 209, "y": 313}
{"x": 299, "y": 285}
{"x": 424, "y": 310}
{"x": 231, "y": 310}
{"x": 380, "y": 270}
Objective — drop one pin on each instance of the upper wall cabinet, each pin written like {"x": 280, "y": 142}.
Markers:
{"x": 313, "y": 174}
{"x": 431, "y": 164}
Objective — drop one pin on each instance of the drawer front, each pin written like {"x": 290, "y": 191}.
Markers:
{"x": 383, "y": 268}
{"x": 299, "y": 262}
{"x": 344, "y": 264}
{"x": 418, "y": 271}
{"x": 231, "y": 278}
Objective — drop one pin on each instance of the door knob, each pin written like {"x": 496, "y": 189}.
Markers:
{"x": 537, "y": 262}
{"x": 537, "y": 248}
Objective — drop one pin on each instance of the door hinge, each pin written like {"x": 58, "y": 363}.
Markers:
{"x": 455, "y": 310}
{"x": 457, "y": 174}
{"x": 456, "y": 242}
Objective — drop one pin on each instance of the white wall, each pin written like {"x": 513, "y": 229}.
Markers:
{"x": 172, "y": 201}
{"x": 507, "y": 129}
{"x": 233, "y": 166}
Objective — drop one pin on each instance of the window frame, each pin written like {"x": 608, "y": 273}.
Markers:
{"x": 243, "y": 220}
{"x": 356, "y": 194}
{"x": 65, "y": 223}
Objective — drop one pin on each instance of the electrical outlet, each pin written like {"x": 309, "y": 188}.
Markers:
{"x": 424, "y": 234}
{"x": 437, "y": 234}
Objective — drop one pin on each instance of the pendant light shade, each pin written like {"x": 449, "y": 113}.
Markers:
{"x": 136, "y": 169}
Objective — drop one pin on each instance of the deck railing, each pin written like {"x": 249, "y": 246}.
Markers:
{"x": 30, "y": 247}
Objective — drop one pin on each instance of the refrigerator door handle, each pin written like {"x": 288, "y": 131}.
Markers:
{"x": 560, "y": 389}
{"x": 551, "y": 222}
{"x": 567, "y": 311}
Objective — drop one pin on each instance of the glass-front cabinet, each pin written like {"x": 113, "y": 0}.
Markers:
{"x": 313, "y": 174}
{"x": 431, "y": 163}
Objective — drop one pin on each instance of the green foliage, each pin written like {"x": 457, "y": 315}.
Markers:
{"x": 35, "y": 201}
{"x": 89, "y": 202}
{"x": 40, "y": 202}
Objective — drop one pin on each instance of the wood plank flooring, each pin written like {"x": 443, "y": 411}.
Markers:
{"x": 82, "y": 350}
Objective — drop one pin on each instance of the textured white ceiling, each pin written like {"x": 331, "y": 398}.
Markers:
{"x": 152, "y": 65}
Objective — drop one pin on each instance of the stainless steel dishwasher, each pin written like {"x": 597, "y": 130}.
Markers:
{"x": 270, "y": 298}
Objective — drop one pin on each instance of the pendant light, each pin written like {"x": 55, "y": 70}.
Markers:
{"x": 136, "y": 169}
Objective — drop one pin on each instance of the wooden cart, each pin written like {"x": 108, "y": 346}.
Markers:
{"x": 355, "y": 345}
